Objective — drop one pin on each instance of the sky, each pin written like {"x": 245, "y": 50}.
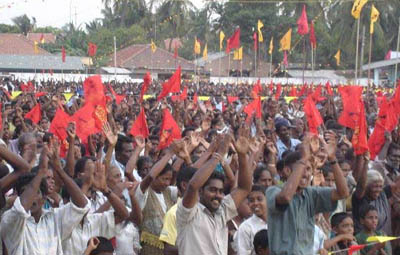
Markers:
{"x": 55, "y": 13}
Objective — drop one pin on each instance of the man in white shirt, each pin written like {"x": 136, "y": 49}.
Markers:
{"x": 285, "y": 142}
{"x": 28, "y": 229}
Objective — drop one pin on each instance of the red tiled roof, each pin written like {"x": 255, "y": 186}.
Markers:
{"x": 18, "y": 44}
{"x": 139, "y": 56}
{"x": 48, "y": 37}
{"x": 176, "y": 42}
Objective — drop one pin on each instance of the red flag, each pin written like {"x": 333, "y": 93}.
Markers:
{"x": 118, "y": 98}
{"x": 27, "y": 87}
{"x": 359, "y": 139}
{"x": 351, "y": 108}
{"x": 271, "y": 87}
{"x": 313, "y": 39}
{"x": 328, "y": 88}
{"x": 145, "y": 86}
{"x": 100, "y": 116}
{"x": 253, "y": 108}
{"x": 256, "y": 89}
{"x": 285, "y": 59}
{"x": 278, "y": 92}
{"x": 41, "y": 39}
{"x": 63, "y": 54}
{"x": 139, "y": 127}
{"x": 314, "y": 118}
{"x": 173, "y": 85}
{"x": 355, "y": 248}
{"x": 376, "y": 141}
{"x": 232, "y": 99}
{"x": 396, "y": 99}
{"x": 35, "y": 114}
{"x": 255, "y": 41}
{"x": 175, "y": 52}
{"x": 184, "y": 94}
{"x": 85, "y": 123}
{"x": 234, "y": 41}
{"x": 59, "y": 124}
{"x": 302, "y": 23}
{"x": 40, "y": 94}
{"x": 93, "y": 90}
{"x": 316, "y": 95}
{"x": 387, "y": 116}
{"x": 170, "y": 130}
{"x": 92, "y": 49}
{"x": 195, "y": 98}
{"x": 293, "y": 92}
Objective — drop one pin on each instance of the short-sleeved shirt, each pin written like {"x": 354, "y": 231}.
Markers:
{"x": 22, "y": 235}
{"x": 202, "y": 232}
{"x": 244, "y": 236}
{"x": 169, "y": 232}
{"x": 281, "y": 147}
{"x": 382, "y": 206}
{"x": 291, "y": 226}
{"x": 362, "y": 239}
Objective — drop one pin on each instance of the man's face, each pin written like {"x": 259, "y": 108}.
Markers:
{"x": 306, "y": 178}
{"x": 284, "y": 133}
{"x": 370, "y": 220}
{"x": 265, "y": 179}
{"x": 212, "y": 194}
{"x": 125, "y": 153}
{"x": 114, "y": 177}
{"x": 258, "y": 203}
{"x": 393, "y": 159}
{"x": 50, "y": 181}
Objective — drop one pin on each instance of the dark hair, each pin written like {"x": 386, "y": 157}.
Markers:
{"x": 80, "y": 165}
{"x": 121, "y": 140}
{"x": 184, "y": 175}
{"x": 186, "y": 130}
{"x": 257, "y": 188}
{"x": 215, "y": 175}
{"x": 337, "y": 218}
{"x": 364, "y": 210}
{"x": 260, "y": 240}
{"x": 289, "y": 159}
{"x": 105, "y": 245}
{"x": 47, "y": 136}
{"x": 326, "y": 169}
{"x": 25, "y": 179}
{"x": 332, "y": 125}
{"x": 257, "y": 173}
{"x": 4, "y": 170}
{"x": 392, "y": 147}
{"x": 64, "y": 192}
{"x": 141, "y": 161}
{"x": 166, "y": 169}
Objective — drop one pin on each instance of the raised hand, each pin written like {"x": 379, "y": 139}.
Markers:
{"x": 109, "y": 134}
{"x": 223, "y": 145}
{"x": 180, "y": 148}
{"x": 71, "y": 131}
{"x": 140, "y": 141}
{"x": 100, "y": 180}
{"x": 331, "y": 144}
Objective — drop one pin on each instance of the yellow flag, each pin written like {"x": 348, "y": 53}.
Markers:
{"x": 36, "y": 47}
{"x": 68, "y": 96}
{"x": 153, "y": 46}
{"x": 238, "y": 54}
{"x": 271, "y": 46}
{"x": 205, "y": 53}
{"x": 286, "y": 39}
{"x": 357, "y": 7}
{"x": 203, "y": 98}
{"x": 260, "y": 35}
{"x": 197, "y": 47}
{"x": 221, "y": 39}
{"x": 289, "y": 99}
{"x": 374, "y": 18}
{"x": 381, "y": 239}
{"x": 15, "y": 94}
{"x": 337, "y": 57}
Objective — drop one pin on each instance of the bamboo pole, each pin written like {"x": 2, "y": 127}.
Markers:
{"x": 369, "y": 58}
{"x": 357, "y": 42}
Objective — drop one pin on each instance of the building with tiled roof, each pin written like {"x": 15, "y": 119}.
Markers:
{"x": 18, "y": 44}
{"x": 139, "y": 59}
{"x": 48, "y": 37}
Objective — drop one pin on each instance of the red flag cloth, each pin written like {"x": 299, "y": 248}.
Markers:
{"x": 388, "y": 55}
{"x": 255, "y": 39}
{"x": 302, "y": 90}
{"x": 232, "y": 99}
{"x": 93, "y": 90}
{"x": 145, "y": 86}
{"x": 234, "y": 41}
{"x": 92, "y": 49}
{"x": 396, "y": 99}
{"x": 313, "y": 39}
{"x": 184, "y": 94}
{"x": 376, "y": 140}
{"x": 351, "y": 108}
{"x": 41, "y": 39}
{"x": 328, "y": 88}
{"x": 253, "y": 108}
{"x": 285, "y": 59}
{"x": 316, "y": 95}
{"x": 359, "y": 139}
{"x": 63, "y": 54}
{"x": 85, "y": 123}
{"x": 118, "y": 98}
{"x": 35, "y": 114}
{"x": 27, "y": 87}
{"x": 100, "y": 116}
{"x": 173, "y": 85}
{"x": 314, "y": 118}
{"x": 139, "y": 127}
{"x": 387, "y": 115}
{"x": 170, "y": 130}
{"x": 59, "y": 124}
{"x": 293, "y": 92}
{"x": 40, "y": 94}
{"x": 278, "y": 92}
{"x": 302, "y": 23}
{"x": 271, "y": 87}
{"x": 355, "y": 248}
{"x": 256, "y": 89}
{"x": 175, "y": 52}
{"x": 195, "y": 98}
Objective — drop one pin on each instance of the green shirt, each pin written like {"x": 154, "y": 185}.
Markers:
{"x": 362, "y": 239}
{"x": 291, "y": 227}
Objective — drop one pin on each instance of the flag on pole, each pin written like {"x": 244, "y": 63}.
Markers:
{"x": 374, "y": 18}
{"x": 63, "y": 54}
{"x": 36, "y": 47}
{"x": 271, "y": 46}
{"x": 337, "y": 57}
{"x": 260, "y": 35}
{"x": 313, "y": 39}
{"x": 175, "y": 52}
{"x": 255, "y": 41}
{"x": 238, "y": 54}
{"x": 42, "y": 39}
{"x": 285, "y": 59}
{"x": 302, "y": 23}
{"x": 286, "y": 39}
{"x": 221, "y": 39}
{"x": 197, "y": 47}
{"x": 381, "y": 239}
{"x": 234, "y": 41}
{"x": 205, "y": 53}
{"x": 153, "y": 46}
{"x": 357, "y": 7}
{"x": 92, "y": 49}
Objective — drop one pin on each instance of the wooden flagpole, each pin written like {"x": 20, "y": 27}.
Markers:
{"x": 369, "y": 58}
{"x": 358, "y": 39}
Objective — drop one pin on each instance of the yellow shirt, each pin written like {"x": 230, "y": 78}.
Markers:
{"x": 169, "y": 232}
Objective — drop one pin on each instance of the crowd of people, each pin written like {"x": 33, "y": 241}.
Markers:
{"x": 231, "y": 184}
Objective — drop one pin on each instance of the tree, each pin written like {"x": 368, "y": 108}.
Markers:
{"x": 23, "y": 23}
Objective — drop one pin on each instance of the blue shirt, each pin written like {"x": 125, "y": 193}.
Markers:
{"x": 282, "y": 147}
